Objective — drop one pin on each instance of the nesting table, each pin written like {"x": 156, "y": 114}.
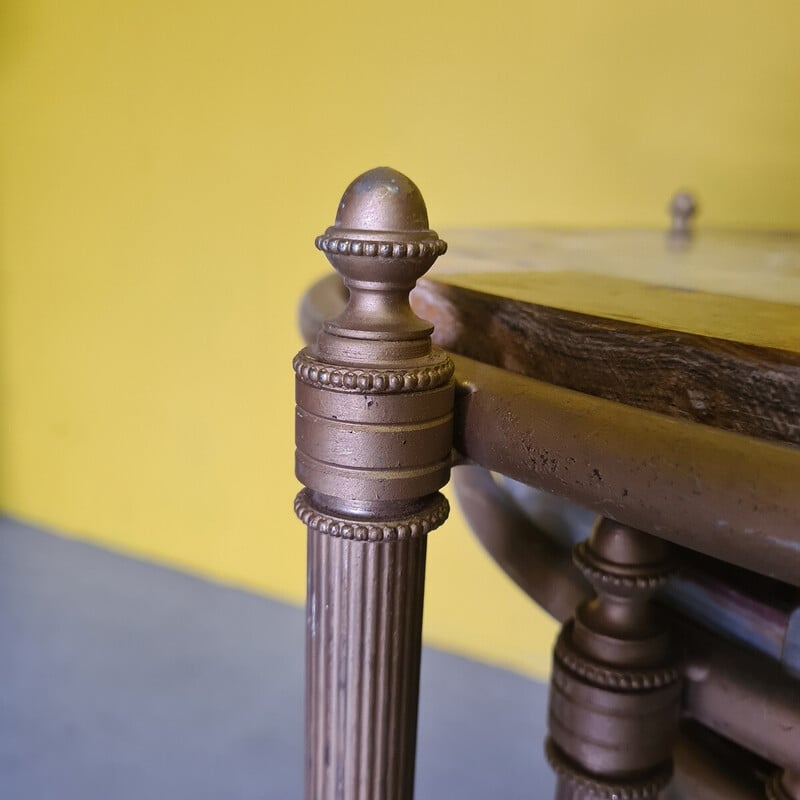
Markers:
{"x": 651, "y": 378}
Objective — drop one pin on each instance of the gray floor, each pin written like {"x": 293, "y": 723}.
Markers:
{"x": 120, "y": 679}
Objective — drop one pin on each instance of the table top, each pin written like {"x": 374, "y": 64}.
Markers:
{"x": 704, "y": 327}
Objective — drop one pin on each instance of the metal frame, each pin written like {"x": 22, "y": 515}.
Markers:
{"x": 377, "y": 413}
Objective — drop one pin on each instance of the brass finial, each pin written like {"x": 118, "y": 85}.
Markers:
{"x": 682, "y": 208}
{"x": 380, "y": 244}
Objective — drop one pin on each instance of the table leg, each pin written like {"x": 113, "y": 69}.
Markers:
{"x": 374, "y": 432}
{"x": 364, "y": 626}
{"x": 615, "y": 694}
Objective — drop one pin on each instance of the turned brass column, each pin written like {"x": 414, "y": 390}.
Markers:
{"x": 374, "y": 437}
{"x": 615, "y": 694}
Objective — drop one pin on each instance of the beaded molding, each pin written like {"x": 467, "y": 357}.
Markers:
{"x": 341, "y": 245}
{"x": 412, "y": 379}
{"x": 646, "y": 581}
{"x": 608, "y": 677}
{"x": 646, "y": 789}
{"x": 394, "y": 530}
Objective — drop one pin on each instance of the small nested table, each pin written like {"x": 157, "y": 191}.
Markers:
{"x": 650, "y": 379}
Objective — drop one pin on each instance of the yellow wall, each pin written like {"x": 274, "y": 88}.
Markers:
{"x": 165, "y": 166}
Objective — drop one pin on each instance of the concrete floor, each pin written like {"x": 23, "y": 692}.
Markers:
{"x": 120, "y": 679}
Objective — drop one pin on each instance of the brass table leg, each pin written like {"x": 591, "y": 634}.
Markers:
{"x": 614, "y": 695}
{"x": 374, "y": 437}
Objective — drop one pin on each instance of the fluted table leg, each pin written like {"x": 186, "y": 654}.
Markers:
{"x": 374, "y": 435}
{"x": 364, "y": 634}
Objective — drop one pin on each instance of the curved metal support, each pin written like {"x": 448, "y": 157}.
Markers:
{"x": 741, "y": 695}
{"x": 542, "y": 569}
{"x": 518, "y": 525}
{"x": 690, "y": 484}
{"x": 325, "y": 299}
{"x": 758, "y": 612}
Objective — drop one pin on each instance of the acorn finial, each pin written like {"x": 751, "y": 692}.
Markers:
{"x": 380, "y": 244}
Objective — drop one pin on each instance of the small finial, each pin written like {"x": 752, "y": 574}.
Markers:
{"x": 682, "y": 208}
{"x": 380, "y": 244}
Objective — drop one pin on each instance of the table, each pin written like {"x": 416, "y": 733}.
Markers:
{"x": 652, "y": 377}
